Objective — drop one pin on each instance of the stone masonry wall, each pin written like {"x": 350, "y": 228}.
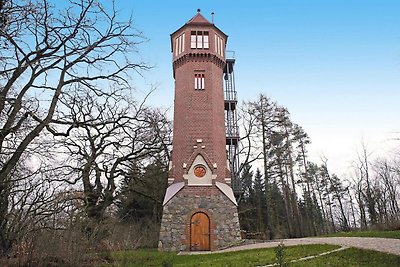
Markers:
{"x": 175, "y": 224}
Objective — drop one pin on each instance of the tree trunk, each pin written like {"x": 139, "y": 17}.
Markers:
{"x": 352, "y": 209}
{"x": 5, "y": 244}
{"x": 266, "y": 175}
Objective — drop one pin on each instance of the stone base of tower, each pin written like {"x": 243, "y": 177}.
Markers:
{"x": 199, "y": 218}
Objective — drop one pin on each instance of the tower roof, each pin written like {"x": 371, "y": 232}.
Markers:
{"x": 199, "y": 19}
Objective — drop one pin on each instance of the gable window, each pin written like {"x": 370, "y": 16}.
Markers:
{"x": 199, "y": 81}
{"x": 199, "y": 40}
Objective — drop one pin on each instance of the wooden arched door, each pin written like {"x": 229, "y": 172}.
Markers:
{"x": 199, "y": 232}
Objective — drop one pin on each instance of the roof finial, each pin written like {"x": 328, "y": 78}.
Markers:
{"x": 212, "y": 16}
{"x": 198, "y": 10}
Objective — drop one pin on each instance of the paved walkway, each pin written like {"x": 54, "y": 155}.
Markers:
{"x": 388, "y": 245}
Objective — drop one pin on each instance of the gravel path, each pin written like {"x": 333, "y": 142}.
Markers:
{"x": 388, "y": 245}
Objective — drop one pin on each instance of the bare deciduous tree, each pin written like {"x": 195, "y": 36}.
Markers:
{"x": 46, "y": 52}
{"x": 100, "y": 139}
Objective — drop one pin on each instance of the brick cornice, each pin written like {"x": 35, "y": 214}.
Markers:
{"x": 196, "y": 57}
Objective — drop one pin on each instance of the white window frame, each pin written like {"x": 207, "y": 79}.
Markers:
{"x": 216, "y": 41}
{"x": 219, "y": 45}
{"x": 183, "y": 43}
{"x": 176, "y": 46}
{"x": 199, "y": 40}
{"x": 199, "y": 83}
{"x": 180, "y": 44}
{"x": 193, "y": 40}
{"x": 206, "y": 42}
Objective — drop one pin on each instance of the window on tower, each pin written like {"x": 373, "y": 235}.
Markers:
{"x": 199, "y": 40}
{"x": 199, "y": 81}
{"x": 219, "y": 45}
{"x": 205, "y": 40}
{"x": 180, "y": 44}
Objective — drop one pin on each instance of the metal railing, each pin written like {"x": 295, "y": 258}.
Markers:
{"x": 230, "y": 95}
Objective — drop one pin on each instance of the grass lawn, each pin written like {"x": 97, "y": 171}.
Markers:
{"x": 257, "y": 257}
{"x": 240, "y": 259}
{"x": 352, "y": 257}
{"x": 387, "y": 234}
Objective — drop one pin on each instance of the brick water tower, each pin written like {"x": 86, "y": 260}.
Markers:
{"x": 199, "y": 209}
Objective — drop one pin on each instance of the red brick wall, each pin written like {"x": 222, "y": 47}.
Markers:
{"x": 198, "y": 114}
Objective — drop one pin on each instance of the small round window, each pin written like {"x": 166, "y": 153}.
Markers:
{"x": 200, "y": 171}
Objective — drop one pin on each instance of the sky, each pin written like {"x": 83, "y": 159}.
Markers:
{"x": 334, "y": 64}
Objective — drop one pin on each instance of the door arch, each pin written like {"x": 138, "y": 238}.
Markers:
{"x": 199, "y": 232}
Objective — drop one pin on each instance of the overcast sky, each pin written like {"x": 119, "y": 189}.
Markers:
{"x": 334, "y": 64}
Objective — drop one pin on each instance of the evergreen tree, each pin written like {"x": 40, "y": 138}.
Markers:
{"x": 259, "y": 199}
{"x": 142, "y": 193}
{"x": 246, "y": 206}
